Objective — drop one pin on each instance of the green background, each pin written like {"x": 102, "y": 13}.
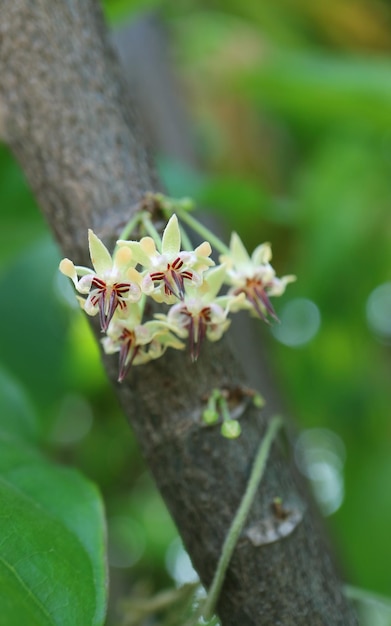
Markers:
{"x": 290, "y": 107}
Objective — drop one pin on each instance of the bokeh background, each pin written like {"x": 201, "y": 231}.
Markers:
{"x": 286, "y": 109}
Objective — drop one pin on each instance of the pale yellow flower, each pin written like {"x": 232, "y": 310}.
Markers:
{"x": 137, "y": 343}
{"x": 167, "y": 271}
{"x": 254, "y": 277}
{"x": 111, "y": 285}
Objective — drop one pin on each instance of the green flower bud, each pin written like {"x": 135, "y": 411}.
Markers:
{"x": 210, "y": 416}
{"x": 259, "y": 401}
{"x": 186, "y": 204}
{"x": 231, "y": 429}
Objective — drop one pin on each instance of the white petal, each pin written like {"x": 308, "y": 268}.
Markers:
{"x": 176, "y": 321}
{"x": 218, "y": 314}
{"x": 134, "y": 293}
{"x": 147, "y": 285}
{"x": 84, "y": 284}
{"x": 89, "y": 308}
{"x": 143, "y": 334}
{"x": 265, "y": 273}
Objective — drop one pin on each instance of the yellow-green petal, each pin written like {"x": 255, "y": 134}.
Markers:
{"x": 100, "y": 256}
{"x": 239, "y": 253}
{"x": 171, "y": 240}
{"x": 67, "y": 268}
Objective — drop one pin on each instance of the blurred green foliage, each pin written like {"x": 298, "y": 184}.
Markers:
{"x": 291, "y": 106}
{"x": 291, "y": 102}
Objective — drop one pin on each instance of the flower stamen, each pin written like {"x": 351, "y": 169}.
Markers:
{"x": 196, "y": 326}
{"x": 173, "y": 278}
{"x": 255, "y": 292}
{"x": 108, "y": 298}
{"x": 128, "y": 352}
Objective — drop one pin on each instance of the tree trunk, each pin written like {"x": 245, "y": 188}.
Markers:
{"x": 65, "y": 113}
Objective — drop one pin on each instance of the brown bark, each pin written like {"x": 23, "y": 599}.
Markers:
{"x": 66, "y": 116}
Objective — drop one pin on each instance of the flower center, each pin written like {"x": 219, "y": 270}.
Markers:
{"x": 196, "y": 326}
{"x": 128, "y": 352}
{"x": 173, "y": 278}
{"x": 108, "y": 298}
{"x": 255, "y": 291}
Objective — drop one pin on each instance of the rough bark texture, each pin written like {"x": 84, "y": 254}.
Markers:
{"x": 65, "y": 114}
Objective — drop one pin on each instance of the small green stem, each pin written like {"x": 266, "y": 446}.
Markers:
{"x": 203, "y": 231}
{"x": 361, "y": 595}
{"x": 141, "y": 304}
{"x": 130, "y": 226}
{"x": 186, "y": 243}
{"x": 208, "y": 608}
{"x": 151, "y": 230}
{"x": 171, "y": 206}
{"x": 223, "y": 406}
{"x": 213, "y": 400}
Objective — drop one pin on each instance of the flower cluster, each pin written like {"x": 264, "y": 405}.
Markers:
{"x": 186, "y": 282}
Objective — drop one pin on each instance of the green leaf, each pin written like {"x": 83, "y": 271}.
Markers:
{"x": 34, "y": 322}
{"x": 17, "y": 417}
{"x": 52, "y": 550}
{"x": 323, "y": 89}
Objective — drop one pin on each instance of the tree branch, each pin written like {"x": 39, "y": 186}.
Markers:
{"x": 66, "y": 117}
